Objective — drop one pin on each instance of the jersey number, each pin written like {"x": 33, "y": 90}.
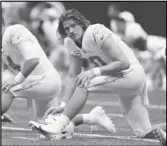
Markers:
{"x": 97, "y": 61}
{"x": 12, "y": 64}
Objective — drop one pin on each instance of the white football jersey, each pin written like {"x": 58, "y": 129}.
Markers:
{"x": 19, "y": 44}
{"x": 93, "y": 39}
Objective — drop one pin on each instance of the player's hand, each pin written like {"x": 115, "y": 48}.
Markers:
{"x": 53, "y": 110}
{"x": 84, "y": 77}
{"x": 9, "y": 83}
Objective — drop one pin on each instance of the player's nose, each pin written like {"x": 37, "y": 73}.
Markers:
{"x": 71, "y": 30}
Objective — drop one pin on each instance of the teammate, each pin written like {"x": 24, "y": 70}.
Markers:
{"x": 145, "y": 46}
{"x": 115, "y": 69}
{"x": 34, "y": 75}
{"x": 45, "y": 18}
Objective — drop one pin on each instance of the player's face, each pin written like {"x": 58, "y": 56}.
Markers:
{"x": 73, "y": 30}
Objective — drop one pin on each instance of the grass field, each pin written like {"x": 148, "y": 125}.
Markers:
{"x": 20, "y": 134}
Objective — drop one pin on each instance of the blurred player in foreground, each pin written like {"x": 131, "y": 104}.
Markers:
{"x": 34, "y": 75}
{"x": 115, "y": 69}
{"x": 45, "y": 19}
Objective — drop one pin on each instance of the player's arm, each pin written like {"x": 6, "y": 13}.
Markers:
{"x": 112, "y": 49}
{"x": 28, "y": 67}
{"x": 23, "y": 40}
{"x": 110, "y": 44}
{"x": 74, "y": 69}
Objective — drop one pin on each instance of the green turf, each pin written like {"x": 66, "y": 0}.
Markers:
{"x": 22, "y": 116}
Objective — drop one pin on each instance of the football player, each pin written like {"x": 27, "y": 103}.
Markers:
{"x": 115, "y": 69}
{"x": 34, "y": 75}
{"x": 45, "y": 18}
{"x": 145, "y": 46}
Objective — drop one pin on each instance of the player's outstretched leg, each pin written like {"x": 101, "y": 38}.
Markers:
{"x": 136, "y": 115}
{"x": 74, "y": 106}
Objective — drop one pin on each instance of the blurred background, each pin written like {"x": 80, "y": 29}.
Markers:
{"x": 142, "y": 25}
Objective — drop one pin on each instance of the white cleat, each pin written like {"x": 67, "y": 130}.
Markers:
{"x": 99, "y": 117}
{"x": 49, "y": 130}
{"x": 7, "y": 118}
{"x": 53, "y": 129}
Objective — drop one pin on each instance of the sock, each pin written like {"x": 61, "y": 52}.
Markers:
{"x": 86, "y": 119}
{"x": 78, "y": 120}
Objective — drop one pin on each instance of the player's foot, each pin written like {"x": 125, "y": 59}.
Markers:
{"x": 67, "y": 133}
{"x": 160, "y": 135}
{"x": 7, "y": 118}
{"x": 54, "y": 130}
{"x": 68, "y": 130}
{"x": 99, "y": 117}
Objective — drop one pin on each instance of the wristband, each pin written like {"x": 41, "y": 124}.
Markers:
{"x": 19, "y": 77}
{"x": 62, "y": 104}
{"x": 97, "y": 71}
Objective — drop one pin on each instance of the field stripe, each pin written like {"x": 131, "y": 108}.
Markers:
{"x": 82, "y": 134}
{"x": 16, "y": 129}
{"x": 115, "y": 115}
{"x": 25, "y": 138}
{"x": 116, "y": 104}
{"x": 116, "y": 137}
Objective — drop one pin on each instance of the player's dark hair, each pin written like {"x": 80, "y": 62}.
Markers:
{"x": 75, "y": 15}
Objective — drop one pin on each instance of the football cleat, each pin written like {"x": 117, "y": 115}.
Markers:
{"x": 7, "y": 118}
{"x": 99, "y": 117}
{"x": 47, "y": 130}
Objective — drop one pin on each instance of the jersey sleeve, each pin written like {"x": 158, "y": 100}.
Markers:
{"x": 100, "y": 34}
{"x": 20, "y": 34}
{"x": 23, "y": 40}
{"x": 70, "y": 45}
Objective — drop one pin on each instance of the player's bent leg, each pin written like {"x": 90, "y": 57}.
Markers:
{"x": 74, "y": 106}
{"x": 136, "y": 115}
{"x": 76, "y": 103}
{"x": 42, "y": 88}
{"x": 6, "y": 99}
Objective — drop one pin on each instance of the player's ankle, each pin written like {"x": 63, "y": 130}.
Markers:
{"x": 87, "y": 119}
